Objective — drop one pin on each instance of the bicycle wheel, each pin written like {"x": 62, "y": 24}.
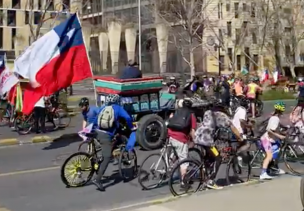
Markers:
{"x": 74, "y": 167}
{"x": 61, "y": 118}
{"x": 26, "y": 125}
{"x": 153, "y": 168}
{"x": 294, "y": 159}
{"x": 240, "y": 171}
{"x": 127, "y": 171}
{"x": 194, "y": 174}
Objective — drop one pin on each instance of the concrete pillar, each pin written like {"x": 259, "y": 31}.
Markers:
{"x": 130, "y": 36}
{"x": 86, "y": 32}
{"x": 75, "y": 5}
{"x": 114, "y": 34}
{"x": 104, "y": 49}
{"x": 162, "y": 43}
{"x": 7, "y": 33}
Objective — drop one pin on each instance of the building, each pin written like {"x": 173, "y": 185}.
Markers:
{"x": 231, "y": 42}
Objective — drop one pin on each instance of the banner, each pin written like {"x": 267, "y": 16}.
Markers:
{"x": 7, "y": 81}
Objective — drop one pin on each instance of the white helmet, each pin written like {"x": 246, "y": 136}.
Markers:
{"x": 172, "y": 78}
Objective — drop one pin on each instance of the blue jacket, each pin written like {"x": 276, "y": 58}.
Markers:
{"x": 119, "y": 113}
{"x": 130, "y": 72}
{"x": 91, "y": 116}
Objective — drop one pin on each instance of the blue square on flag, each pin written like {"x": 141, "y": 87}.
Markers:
{"x": 2, "y": 63}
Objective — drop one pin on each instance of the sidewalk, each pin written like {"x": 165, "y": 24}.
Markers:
{"x": 281, "y": 194}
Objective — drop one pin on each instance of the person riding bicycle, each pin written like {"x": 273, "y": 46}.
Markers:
{"x": 225, "y": 91}
{"x": 213, "y": 119}
{"x": 172, "y": 85}
{"x": 241, "y": 123}
{"x": 269, "y": 139}
{"x": 89, "y": 113}
{"x": 108, "y": 122}
{"x": 251, "y": 93}
{"x": 181, "y": 129}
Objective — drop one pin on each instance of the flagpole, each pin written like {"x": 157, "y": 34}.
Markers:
{"x": 94, "y": 86}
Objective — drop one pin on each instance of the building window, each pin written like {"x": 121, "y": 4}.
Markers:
{"x": 236, "y": 10}
{"x": 50, "y": 6}
{"x": 287, "y": 29}
{"x": 253, "y": 5}
{"x": 221, "y": 35}
{"x": 221, "y": 62}
{"x": 229, "y": 33}
{"x": 230, "y": 54}
{"x": 244, "y": 7}
{"x": 13, "y": 36}
{"x": 66, "y": 4}
{"x": 1, "y": 3}
{"x": 1, "y": 38}
{"x": 254, "y": 38}
{"x": 256, "y": 62}
{"x": 237, "y": 36}
{"x": 247, "y": 57}
{"x": 220, "y": 10}
{"x": 11, "y": 18}
{"x": 287, "y": 51}
{"x": 37, "y": 17}
{"x": 227, "y": 7}
{"x": 238, "y": 62}
{"x": 16, "y": 4}
{"x": 27, "y": 17}
{"x": 245, "y": 25}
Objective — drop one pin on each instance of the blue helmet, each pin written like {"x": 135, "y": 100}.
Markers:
{"x": 112, "y": 99}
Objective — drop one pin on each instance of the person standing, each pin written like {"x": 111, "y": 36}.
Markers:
{"x": 39, "y": 115}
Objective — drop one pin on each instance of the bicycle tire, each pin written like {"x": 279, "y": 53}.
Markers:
{"x": 63, "y": 168}
{"x": 122, "y": 161}
{"x": 68, "y": 117}
{"x": 21, "y": 131}
{"x": 284, "y": 155}
{"x": 142, "y": 171}
{"x": 172, "y": 178}
{"x": 302, "y": 191}
{"x": 237, "y": 170}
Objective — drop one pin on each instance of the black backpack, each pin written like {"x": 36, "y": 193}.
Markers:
{"x": 181, "y": 120}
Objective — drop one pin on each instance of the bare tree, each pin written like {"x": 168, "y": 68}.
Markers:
{"x": 185, "y": 20}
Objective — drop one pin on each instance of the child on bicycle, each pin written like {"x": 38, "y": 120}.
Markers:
{"x": 270, "y": 137}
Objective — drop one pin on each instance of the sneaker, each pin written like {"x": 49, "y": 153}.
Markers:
{"x": 99, "y": 185}
{"x": 265, "y": 176}
{"x": 240, "y": 161}
{"x": 211, "y": 184}
{"x": 279, "y": 171}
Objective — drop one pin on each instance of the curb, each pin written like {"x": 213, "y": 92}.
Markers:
{"x": 33, "y": 140}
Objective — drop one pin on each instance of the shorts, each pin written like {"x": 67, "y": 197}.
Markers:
{"x": 266, "y": 144}
{"x": 181, "y": 149}
{"x": 273, "y": 147}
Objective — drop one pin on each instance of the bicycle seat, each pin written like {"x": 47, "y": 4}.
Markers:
{"x": 91, "y": 135}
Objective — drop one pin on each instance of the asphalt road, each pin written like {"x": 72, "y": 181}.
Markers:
{"x": 30, "y": 179}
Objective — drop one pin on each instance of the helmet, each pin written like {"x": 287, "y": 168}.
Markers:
{"x": 84, "y": 102}
{"x": 300, "y": 79}
{"x": 172, "y": 78}
{"x": 112, "y": 99}
{"x": 280, "y": 106}
{"x": 187, "y": 103}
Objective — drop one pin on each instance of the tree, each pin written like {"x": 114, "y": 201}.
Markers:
{"x": 185, "y": 21}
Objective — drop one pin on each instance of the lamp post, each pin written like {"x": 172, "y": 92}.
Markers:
{"x": 139, "y": 34}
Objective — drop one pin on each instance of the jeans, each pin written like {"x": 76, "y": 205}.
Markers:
{"x": 39, "y": 116}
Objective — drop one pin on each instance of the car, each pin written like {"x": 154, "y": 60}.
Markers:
{"x": 143, "y": 100}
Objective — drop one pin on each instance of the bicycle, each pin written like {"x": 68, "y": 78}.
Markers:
{"x": 89, "y": 162}
{"x": 7, "y": 116}
{"x": 168, "y": 157}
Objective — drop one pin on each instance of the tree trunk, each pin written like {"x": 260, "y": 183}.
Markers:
{"x": 192, "y": 67}
{"x": 292, "y": 71}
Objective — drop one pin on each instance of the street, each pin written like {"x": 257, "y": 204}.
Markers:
{"x": 30, "y": 178}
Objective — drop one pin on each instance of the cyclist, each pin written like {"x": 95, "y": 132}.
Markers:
{"x": 89, "y": 113}
{"x": 108, "y": 123}
{"x": 251, "y": 93}
{"x": 214, "y": 118}
{"x": 269, "y": 138}
{"x": 225, "y": 91}
{"x": 181, "y": 129}
{"x": 172, "y": 85}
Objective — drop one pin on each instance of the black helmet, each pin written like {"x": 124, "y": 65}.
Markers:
{"x": 84, "y": 102}
{"x": 187, "y": 103}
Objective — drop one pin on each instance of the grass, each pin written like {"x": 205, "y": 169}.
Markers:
{"x": 277, "y": 95}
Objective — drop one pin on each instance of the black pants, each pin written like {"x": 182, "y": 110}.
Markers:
{"x": 105, "y": 142}
{"x": 39, "y": 116}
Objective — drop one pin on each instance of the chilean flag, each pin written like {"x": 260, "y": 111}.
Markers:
{"x": 2, "y": 63}
{"x": 53, "y": 62}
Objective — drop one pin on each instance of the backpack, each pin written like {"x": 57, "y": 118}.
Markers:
{"x": 181, "y": 120}
{"x": 106, "y": 118}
